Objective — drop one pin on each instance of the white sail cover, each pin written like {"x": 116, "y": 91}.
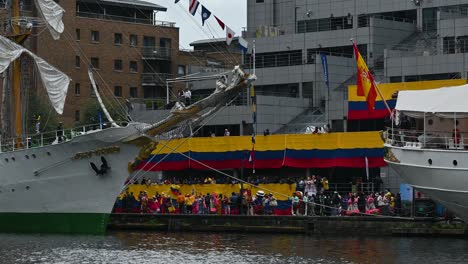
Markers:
{"x": 443, "y": 100}
{"x": 53, "y": 14}
{"x": 55, "y": 81}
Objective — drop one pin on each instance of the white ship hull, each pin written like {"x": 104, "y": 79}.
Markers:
{"x": 440, "y": 174}
{"x": 54, "y": 184}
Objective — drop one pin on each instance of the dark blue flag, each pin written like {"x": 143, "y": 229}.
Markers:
{"x": 323, "y": 56}
{"x": 205, "y": 14}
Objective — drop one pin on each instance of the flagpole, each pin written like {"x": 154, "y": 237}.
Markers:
{"x": 253, "y": 56}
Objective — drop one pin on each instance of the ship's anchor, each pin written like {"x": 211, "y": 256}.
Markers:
{"x": 104, "y": 167}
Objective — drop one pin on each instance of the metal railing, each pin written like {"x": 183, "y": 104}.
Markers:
{"x": 152, "y": 79}
{"x": 424, "y": 139}
{"x": 156, "y": 53}
{"x": 146, "y": 21}
{"x": 49, "y": 138}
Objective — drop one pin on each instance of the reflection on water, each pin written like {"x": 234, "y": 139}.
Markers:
{"x": 140, "y": 247}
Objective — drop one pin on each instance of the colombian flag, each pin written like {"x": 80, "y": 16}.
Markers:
{"x": 365, "y": 80}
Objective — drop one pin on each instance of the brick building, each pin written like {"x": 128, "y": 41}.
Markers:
{"x": 132, "y": 53}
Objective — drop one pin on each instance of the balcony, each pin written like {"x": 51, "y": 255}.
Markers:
{"x": 145, "y": 21}
{"x": 155, "y": 79}
{"x": 153, "y": 53}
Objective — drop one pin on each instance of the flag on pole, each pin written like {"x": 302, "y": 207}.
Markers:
{"x": 323, "y": 57}
{"x": 244, "y": 45}
{"x": 367, "y": 168}
{"x": 205, "y": 14}
{"x": 193, "y": 6}
{"x": 229, "y": 35}
{"x": 365, "y": 80}
{"x": 221, "y": 23}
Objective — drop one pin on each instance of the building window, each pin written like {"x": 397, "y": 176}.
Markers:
{"x": 94, "y": 36}
{"x": 118, "y": 65}
{"x": 133, "y": 92}
{"x": 118, "y": 91}
{"x": 133, "y": 40}
{"x": 133, "y": 66}
{"x": 181, "y": 70}
{"x": 77, "y": 115}
{"x": 77, "y": 34}
{"x": 118, "y": 39}
{"x": 77, "y": 89}
{"x": 95, "y": 62}
{"x": 77, "y": 62}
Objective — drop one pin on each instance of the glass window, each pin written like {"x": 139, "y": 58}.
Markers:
{"x": 95, "y": 62}
{"x": 94, "y": 36}
{"x": 133, "y": 40}
{"x": 133, "y": 66}
{"x": 181, "y": 70}
{"x": 77, "y": 89}
{"x": 133, "y": 92}
{"x": 118, "y": 39}
{"x": 77, "y": 115}
{"x": 77, "y": 62}
{"x": 118, "y": 65}
{"x": 118, "y": 91}
{"x": 77, "y": 34}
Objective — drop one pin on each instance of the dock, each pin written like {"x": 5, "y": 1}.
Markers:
{"x": 307, "y": 225}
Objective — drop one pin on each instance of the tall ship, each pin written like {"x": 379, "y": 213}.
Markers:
{"x": 426, "y": 144}
{"x": 66, "y": 181}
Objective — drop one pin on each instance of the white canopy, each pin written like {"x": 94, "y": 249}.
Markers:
{"x": 441, "y": 101}
{"x": 55, "y": 82}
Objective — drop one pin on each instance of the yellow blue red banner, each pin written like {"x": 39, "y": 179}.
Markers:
{"x": 357, "y": 105}
{"x": 273, "y": 151}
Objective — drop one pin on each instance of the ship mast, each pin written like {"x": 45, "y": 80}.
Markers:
{"x": 18, "y": 37}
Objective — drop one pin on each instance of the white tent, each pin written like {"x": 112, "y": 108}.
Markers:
{"x": 442, "y": 102}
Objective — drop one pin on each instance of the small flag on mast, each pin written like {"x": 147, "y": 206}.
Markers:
{"x": 244, "y": 45}
{"x": 229, "y": 35}
{"x": 193, "y": 6}
{"x": 205, "y": 14}
{"x": 221, "y": 23}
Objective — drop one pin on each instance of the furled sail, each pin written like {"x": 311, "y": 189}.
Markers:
{"x": 53, "y": 14}
{"x": 55, "y": 81}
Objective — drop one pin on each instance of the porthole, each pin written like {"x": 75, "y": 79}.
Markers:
{"x": 34, "y": 156}
{"x": 27, "y": 187}
{"x": 12, "y": 190}
{"x": 48, "y": 153}
{"x": 13, "y": 158}
{"x": 6, "y": 160}
{"x": 455, "y": 163}
{"x": 429, "y": 161}
{"x": 27, "y": 157}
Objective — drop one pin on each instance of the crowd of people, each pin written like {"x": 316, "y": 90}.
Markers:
{"x": 242, "y": 203}
{"x": 313, "y": 197}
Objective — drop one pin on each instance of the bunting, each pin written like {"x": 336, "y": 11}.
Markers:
{"x": 193, "y": 6}
{"x": 205, "y": 14}
{"x": 221, "y": 23}
{"x": 229, "y": 35}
